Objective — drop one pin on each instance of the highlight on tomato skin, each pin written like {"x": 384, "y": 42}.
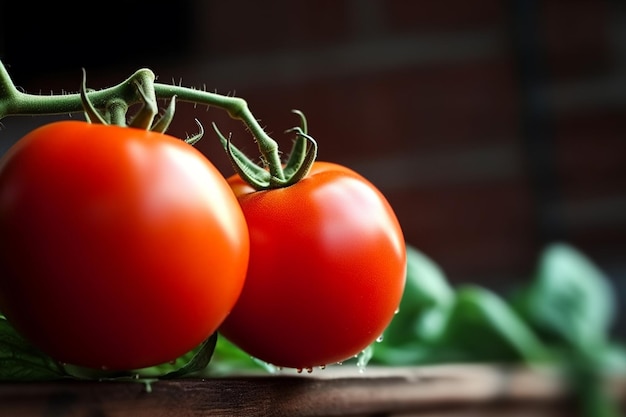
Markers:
{"x": 326, "y": 273}
{"x": 121, "y": 248}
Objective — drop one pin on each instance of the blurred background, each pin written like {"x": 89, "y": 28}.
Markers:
{"x": 493, "y": 127}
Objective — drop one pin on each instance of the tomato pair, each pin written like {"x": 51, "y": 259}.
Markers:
{"x": 122, "y": 248}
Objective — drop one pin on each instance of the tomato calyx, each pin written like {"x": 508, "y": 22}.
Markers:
{"x": 272, "y": 173}
{"x": 116, "y": 109}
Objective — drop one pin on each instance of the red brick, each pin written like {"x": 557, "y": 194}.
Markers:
{"x": 483, "y": 231}
{"x": 591, "y": 153}
{"x": 412, "y": 108}
{"x": 227, "y": 29}
{"x": 443, "y": 15}
{"x": 575, "y": 37}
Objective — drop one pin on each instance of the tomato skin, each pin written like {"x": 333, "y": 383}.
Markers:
{"x": 120, "y": 248}
{"x": 326, "y": 273}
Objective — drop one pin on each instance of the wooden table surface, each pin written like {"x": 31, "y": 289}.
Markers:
{"x": 433, "y": 391}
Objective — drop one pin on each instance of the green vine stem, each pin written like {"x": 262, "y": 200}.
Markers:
{"x": 14, "y": 103}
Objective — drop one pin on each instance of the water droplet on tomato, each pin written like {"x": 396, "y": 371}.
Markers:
{"x": 380, "y": 338}
{"x": 322, "y": 367}
{"x": 397, "y": 310}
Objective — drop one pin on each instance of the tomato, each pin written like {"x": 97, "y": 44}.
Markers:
{"x": 326, "y": 272}
{"x": 120, "y": 248}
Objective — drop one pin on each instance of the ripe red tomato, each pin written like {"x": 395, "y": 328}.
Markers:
{"x": 326, "y": 272}
{"x": 120, "y": 248}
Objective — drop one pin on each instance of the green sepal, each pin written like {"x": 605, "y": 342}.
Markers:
{"x": 256, "y": 175}
{"x": 163, "y": 123}
{"x": 91, "y": 113}
{"x": 195, "y": 138}
{"x": 295, "y": 173}
{"x": 266, "y": 177}
{"x": 145, "y": 116}
{"x": 299, "y": 148}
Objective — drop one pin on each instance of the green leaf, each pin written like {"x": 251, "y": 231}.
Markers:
{"x": 587, "y": 379}
{"x": 228, "y": 359}
{"x": 425, "y": 302}
{"x": 423, "y": 310}
{"x": 570, "y": 300}
{"x": 187, "y": 365}
{"x": 20, "y": 361}
{"x": 200, "y": 359}
{"x": 572, "y": 305}
{"x": 482, "y": 327}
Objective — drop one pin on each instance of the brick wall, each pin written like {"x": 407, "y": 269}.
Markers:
{"x": 492, "y": 127}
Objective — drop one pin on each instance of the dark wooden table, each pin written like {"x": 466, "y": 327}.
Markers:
{"x": 434, "y": 391}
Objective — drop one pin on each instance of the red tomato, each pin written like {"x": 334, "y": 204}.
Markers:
{"x": 326, "y": 272}
{"x": 120, "y": 248}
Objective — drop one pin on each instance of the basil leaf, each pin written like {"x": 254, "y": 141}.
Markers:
{"x": 482, "y": 327}
{"x": 228, "y": 359}
{"x": 570, "y": 300}
{"x": 425, "y": 302}
{"x": 190, "y": 363}
{"x": 572, "y": 304}
{"x": 421, "y": 316}
{"x": 20, "y": 361}
{"x": 199, "y": 360}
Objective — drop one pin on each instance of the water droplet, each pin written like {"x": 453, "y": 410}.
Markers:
{"x": 271, "y": 368}
{"x": 309, "y": 370}
{"x": 380, "y": 338}
{"x": 364, "y": 358}
{"x": 299, "y": 370}
{"x": 397, "y": 310}
{"x": 322, "y": 367}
